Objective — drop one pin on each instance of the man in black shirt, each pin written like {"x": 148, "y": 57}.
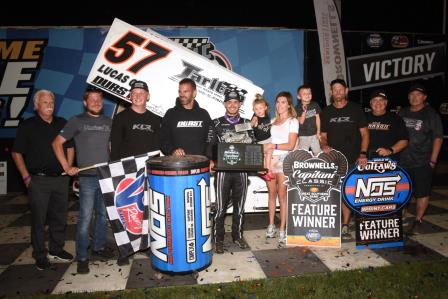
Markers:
{"x": 185, "y": 126}
{"x": 344, "y": 128}
{"x": 135, "y": 131}
{"x": 41, "y": 173}
{"x": 425, "y": 141}
{"x": 387, "y": 131}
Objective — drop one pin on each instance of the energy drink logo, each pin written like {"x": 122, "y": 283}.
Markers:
{"x": 206, "y": 215}
{"x": 158, "y": 225}
{"x": 129, "y": 203}
{"x": 379, "y": 189}
{"x": 314, "y": 177}
{"x": 20, "y": 59}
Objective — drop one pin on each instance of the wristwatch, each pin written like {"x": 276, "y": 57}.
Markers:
{"x": 363, "y": 153}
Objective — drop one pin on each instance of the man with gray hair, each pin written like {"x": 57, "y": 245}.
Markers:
{"x": 41, "y": 174}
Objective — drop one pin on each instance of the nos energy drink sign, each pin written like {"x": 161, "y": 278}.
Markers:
{"x": 378, "y": 193}
{"x": 180, "y": 223}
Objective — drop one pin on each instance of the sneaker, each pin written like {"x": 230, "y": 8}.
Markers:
{"x": 241, "y": 243}
{"x": 122, "y": 261}
{"x": 282, "y": 238}
{"x": 105, "y": 253}
{"x": 83, "y": 267}
{"x": 416, "y": 228}
{"x": 345, "y": 232}
{"x": 270, "y": 231}
{"x": 43, "y": 264}
{"x": 219, "y": 247}
{"x": 62, "y": 255}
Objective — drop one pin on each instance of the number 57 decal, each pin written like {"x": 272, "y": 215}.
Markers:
{"x": 125, "y": 47}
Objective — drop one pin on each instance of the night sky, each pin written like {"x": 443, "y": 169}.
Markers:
{"x": 380, "y": 15}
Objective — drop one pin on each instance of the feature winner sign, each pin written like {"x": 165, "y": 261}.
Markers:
{"x": 314, "y": 198}
{"x": 129, "y": 54}
{"x": 377, "y": 193}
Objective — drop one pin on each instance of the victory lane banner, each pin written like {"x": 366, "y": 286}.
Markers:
{"x": 314, "y": 198}
{"x": 377, "y": 193}
{"x": 129, "y": 53}
{"x": 396, "y": 66}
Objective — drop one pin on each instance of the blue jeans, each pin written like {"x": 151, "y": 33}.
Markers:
{"x": 90, "y": 198}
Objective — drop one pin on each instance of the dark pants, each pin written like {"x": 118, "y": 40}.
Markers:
{"x": 48, "y": 200}
{"x": 230, "y": 186}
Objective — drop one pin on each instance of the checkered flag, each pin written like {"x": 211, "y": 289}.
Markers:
{"x": 123, "y": 185}
{"x": 192, "y": 43}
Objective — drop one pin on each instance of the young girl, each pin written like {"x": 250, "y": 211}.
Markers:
{"x": 262, "y": 130}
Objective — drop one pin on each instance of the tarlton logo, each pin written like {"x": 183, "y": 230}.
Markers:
{"x": 231, "y": 156}
{"x": 215, "y": 84}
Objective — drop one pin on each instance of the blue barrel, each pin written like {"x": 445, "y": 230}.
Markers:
{"x": 180, "y": 219}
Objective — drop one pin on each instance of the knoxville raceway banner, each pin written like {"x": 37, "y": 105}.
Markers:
{"x": 129, "y": 53}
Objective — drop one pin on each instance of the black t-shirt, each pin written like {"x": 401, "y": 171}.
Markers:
{"x": 384, "y": 131}
{"x": 423, "y": 127}
{"x": 308, "y": 128}
{"x": 342, "y": 127}
{"x": 33, "y": 140}
{"x": 263, "y": 129}
{"x": 134, "y": 134}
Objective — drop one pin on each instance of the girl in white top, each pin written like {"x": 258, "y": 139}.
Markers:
{"x": 284, "y": 133}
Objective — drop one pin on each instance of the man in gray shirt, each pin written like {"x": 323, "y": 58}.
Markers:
{"x": 91, "y": 132}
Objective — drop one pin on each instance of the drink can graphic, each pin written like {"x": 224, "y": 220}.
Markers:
{"x": 180, "y": 222}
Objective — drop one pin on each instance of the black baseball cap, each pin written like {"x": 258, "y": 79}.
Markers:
{"x": 340, "y": 81}
{"x": 378, "y": 93}
{"x": 92, "y": 88}
{"x": 233, "y": 95}
{"x": 139, "y": 84}
{"x": 418, "y": 87}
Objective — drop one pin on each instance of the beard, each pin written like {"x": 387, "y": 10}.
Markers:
{"x": 95, "y": 112}
{"x": 185, "y": 101}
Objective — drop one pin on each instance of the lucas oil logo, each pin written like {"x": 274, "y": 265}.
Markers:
{"x": 129, "y": 203}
